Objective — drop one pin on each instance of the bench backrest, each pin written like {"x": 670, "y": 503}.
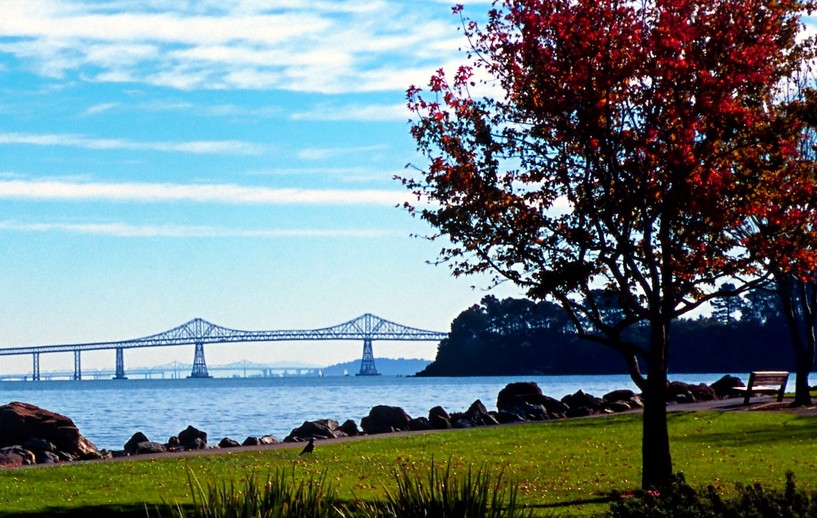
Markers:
{"x": 768, "y": 378}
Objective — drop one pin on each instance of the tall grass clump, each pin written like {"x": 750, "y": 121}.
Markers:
{"x": 441, "y": 494}
{"x": 280, "y": 496}
{"x": 444, "y": 495}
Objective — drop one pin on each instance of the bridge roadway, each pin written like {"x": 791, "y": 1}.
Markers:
{"x": 176, "y": 370}
{"x": 199, "y": 332}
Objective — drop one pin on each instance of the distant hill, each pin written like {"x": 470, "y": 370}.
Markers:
{"x": 385, "y": 366}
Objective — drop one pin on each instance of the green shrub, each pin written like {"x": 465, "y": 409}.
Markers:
{"x": 680, "y": 500}
{"x": 754, "y": 501}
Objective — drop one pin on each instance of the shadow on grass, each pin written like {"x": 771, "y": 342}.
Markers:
{"x": 89, "y": 512}
{"x": 738, "y": 434}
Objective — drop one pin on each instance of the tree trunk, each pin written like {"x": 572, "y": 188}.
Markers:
{"x": 802, "y": 397}
{"x": 805, "y": 361}
{"x": 801, "y": 333}
{"x": 808, "y": 300}
{"x": 656, "y": 459}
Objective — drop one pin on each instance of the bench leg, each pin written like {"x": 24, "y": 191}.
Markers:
{"x": 746, "y": 399}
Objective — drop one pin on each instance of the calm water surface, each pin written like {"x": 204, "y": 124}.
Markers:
{"x": 108, "y": 412}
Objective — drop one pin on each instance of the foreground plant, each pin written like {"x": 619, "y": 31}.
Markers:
{"x": 280, "y": 496}
{"x": 445, "y": 495}
{"x": 477, "y": 494}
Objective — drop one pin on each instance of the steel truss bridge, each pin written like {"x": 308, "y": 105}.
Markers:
{"x": 199, "y": 332}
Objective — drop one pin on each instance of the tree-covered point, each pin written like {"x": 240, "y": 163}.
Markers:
{"x": 522, "y": 337}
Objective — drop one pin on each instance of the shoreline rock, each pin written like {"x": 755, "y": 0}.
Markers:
{"x": 43, "y": 431}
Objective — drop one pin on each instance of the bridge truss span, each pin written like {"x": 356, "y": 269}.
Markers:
{"x": 199, "y": 332}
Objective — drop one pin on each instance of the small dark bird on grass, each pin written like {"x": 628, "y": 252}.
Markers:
{"x": 309, "y": 447}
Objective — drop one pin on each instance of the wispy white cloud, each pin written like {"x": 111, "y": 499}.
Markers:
{"x": 187, "y": 231}
{"x": 230, "y": 147}
{"x": 207, "y": 110}
{"x": 210, "y": 193}
{"x": 327, "y": 47}
{"x": 332, "y": 152}
{"x": 354, "y": 112}
{"x": 343, "y": 174}
{"x": 100, "y": 108}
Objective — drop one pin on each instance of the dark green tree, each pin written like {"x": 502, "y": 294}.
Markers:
{"x": 730, "y": 307}
{"x": 762, "y": 306}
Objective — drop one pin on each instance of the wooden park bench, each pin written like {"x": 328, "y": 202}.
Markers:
{"x": 765, "y": 382}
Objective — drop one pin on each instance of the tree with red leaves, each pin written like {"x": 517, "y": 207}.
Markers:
{"x": 617, "y": 151}
{"x": 782, "y": 232}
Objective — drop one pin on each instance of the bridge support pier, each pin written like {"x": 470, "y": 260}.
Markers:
{"x": 120, "y": 364}
{"x": 199, "y": 365}
{"x": 35, "y": 369}
{"x": 367, "y": 367}
{"x": 77, "y": 366}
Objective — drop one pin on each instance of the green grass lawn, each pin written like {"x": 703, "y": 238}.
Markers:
{"x": 563, "y": 463}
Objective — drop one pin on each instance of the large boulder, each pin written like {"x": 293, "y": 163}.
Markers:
{"x": 251, "y": 441}
{"x": 681, "y": 392}
{"x": 505, "y": 417}
{"x": 20, "y": 422}
{"x": 622, "y": 400}
{"x": 320, "y": 429}
{"x": 523, "y": 401}
{"x": 552, "y": 406}
{"x": 515, "y": 392}
{"x": 618, "y": 395}
{"x": 476, "y": 415}
{"x": 267, "y": 440}
{"x": 420, "y": 424}
{"x": 259, "y": 441}
{"x": 385, "y": 419}
{"x": 703, "y": 392}
{"x": 439, "y": 419}
{"x": 524, "y": 411}
{"x": 132, "y": 444}
{"x": 228, "y": 443}
{"x": 581, "y": 404}
{"x": 619, "y": 406}
{"x": 349, "y": 427}
{"x": 678, "y": 392}
{"x": 143, "y": 448}
{"x": 725, "y": 387}
{"x": 192, "y": 438}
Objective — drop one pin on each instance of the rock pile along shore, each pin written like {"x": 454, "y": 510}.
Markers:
{"x": 32, "y": 435}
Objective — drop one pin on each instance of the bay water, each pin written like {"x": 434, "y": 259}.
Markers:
{"x": 109, "y": 412}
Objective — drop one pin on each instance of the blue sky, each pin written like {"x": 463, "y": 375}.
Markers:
{"x": 167, "y": 159}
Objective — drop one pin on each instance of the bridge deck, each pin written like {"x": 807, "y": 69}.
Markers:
{"x": 199, "y": 332}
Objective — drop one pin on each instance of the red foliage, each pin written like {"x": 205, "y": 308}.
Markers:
{"x": 628, "y": 146}
{"x": 653, "y": 123}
